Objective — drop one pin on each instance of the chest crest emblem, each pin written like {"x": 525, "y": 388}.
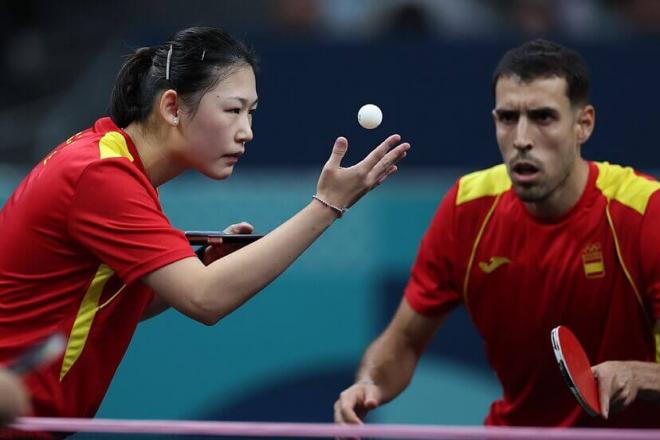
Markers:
{"x": 592, "y": 261}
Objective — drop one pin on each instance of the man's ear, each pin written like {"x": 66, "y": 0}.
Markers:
{"x": 586, "y": 119}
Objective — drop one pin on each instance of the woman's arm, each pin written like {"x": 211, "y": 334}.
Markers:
{"x": 208, "y": 293}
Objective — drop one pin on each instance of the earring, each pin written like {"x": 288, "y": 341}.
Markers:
{"x": 175, "y": 120}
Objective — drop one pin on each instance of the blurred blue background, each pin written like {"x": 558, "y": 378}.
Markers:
{"x": 287, "y": 354}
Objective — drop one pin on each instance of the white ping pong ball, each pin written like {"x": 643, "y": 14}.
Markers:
{"x": 370, "y": 116}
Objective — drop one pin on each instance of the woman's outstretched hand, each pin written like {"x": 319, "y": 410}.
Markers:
{"x": 342, "y": 187}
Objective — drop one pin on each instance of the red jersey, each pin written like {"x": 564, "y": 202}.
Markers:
{"x": 596, "y": 270}
{"x": 77, "y": 235}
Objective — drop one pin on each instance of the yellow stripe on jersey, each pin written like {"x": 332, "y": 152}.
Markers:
{"x": 113, "y": 144}
{"x": 490, "y": 182}
{"x": 624, "y": 186}
{"x": 475, "y": 246}
{"x": 619, "y": 256}
{"x": 84, "y": 318}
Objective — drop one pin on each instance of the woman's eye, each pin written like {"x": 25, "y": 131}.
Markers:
{"x": 251, "y": 112}
{"x": 234, "y": 110}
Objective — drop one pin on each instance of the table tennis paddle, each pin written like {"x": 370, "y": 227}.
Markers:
{"x": 202, "y": 237}
{"x": 576, "y": 369}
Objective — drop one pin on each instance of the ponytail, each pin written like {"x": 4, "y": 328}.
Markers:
{"x": 191, "y": 62}
{"x": 127, "y": 101}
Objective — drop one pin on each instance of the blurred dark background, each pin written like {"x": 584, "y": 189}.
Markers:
{"x": 426, "y": 63}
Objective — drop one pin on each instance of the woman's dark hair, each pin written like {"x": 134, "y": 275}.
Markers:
{"x": 543, "y": 59}
{"x": 199, "y": 57}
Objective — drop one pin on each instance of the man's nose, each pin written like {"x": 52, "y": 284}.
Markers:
{"x": 522, "y": 139}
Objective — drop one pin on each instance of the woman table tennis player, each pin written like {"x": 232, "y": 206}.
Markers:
{"x": 86, "y": 248}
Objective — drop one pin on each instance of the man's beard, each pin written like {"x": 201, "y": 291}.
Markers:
{"x": 541, "y": 192}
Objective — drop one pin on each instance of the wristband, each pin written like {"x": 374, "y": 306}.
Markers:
{"x": 339, "y": 211}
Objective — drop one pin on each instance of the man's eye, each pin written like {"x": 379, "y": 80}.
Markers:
{"x": 508, "y": 117}
{"x": 234, "y": 110}
{"x": 542, "y": 116}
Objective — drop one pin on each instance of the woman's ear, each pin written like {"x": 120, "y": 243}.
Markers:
{"x": 168, "y": 107}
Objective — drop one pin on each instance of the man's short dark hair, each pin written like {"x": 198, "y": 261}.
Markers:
{"x": 545, "y": 59}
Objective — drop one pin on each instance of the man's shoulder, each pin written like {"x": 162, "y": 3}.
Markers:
{"x": 626, "y": 186}
{"x": 486, "y": 183}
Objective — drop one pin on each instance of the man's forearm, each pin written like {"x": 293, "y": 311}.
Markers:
{"x": 389, "y": 365}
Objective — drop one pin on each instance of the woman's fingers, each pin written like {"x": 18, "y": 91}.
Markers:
{"x": 391, "y": 170}
{"x": 378, "y": 153}
{"x": 384, "y": 167}
{"x": 239, "y": 228}
{"x": 344, "y": 186}
{"x": 338, "y": 152}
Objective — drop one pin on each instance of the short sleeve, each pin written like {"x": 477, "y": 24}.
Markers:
{"x": 115, "y": 214}
{"x": 431, "y": 289}
{"x": 650, "y": 253}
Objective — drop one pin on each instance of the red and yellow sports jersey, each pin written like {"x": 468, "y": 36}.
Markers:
{"x": 77, "y": 235}
{"x": 595, "y": 270}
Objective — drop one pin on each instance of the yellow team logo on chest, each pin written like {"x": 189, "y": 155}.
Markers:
{"x": 592, "y": 261}
{"x": 493, "y": 263}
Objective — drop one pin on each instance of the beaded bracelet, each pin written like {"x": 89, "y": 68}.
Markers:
{"x": 339, "y": 211}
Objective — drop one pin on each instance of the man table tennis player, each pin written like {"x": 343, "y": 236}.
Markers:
{"x": 546, "y": 238}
